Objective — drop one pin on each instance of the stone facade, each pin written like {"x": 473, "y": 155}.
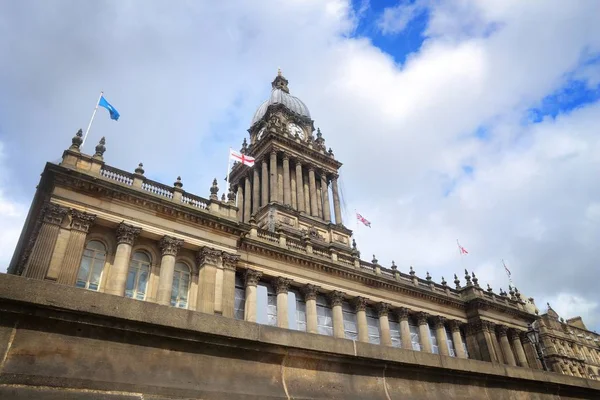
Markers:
{"x": 277, "y": 235}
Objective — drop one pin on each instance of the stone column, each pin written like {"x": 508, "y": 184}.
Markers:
{"x": 384, "y": 324}
{"x": 530, "y": 352}
{"x": 325, "y": 192}
{"x": 264, "y": 184}
{"x": 299, "y": 187}
{"x": 336, "y": 200}
{"x": 80, "y": 224}
{"x": 424, "y": 332}
{"x": 310, "y": 297}
{"x": 457, "y": 339}
{"x": 117, "y": 276}
{"x": 273, "y": 174}
{"x": 287, "y": 190}
{"x": 207, "y": 260}
{"x": 247, "y": 200}
{"x": 240, "y": 202}
{"x": 335, "y": 299}
{"x": 314, "y": 209}
{"x": 255, "y": 189}
{"x": 282, "y": 286}
{"x": 440, "y": 335}
{"x": 485, "y": 340}
{"x": 506, "y": 350}
{"x": 361, "y": 319}
{"x": 520, "y": 353}
{"x": 472, "y": 332}
{"x": 52, "y": 216}
{"x": 169, "y": 246}
{"x": 404, "y": 328}
{"x": 228, "y": 295}
{"x": 252, "y": 278}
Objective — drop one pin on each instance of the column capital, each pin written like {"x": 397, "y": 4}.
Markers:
{"x": 403, "y": 313}
{"x": 169, "y": 246}
{"x": 252, "y": 277}
{"x": 422, "y": 318}
{"x": 311, "y": 167}
{"x": 81, "y": 221}
{"x": 360, "y": 303}
{"x": 206, "y": 255}
{"x": 336, "y": 298}
{"x": 285, "y": 155}
{"x": 455, "y": 325}
{"x": 514, "y": 334}
{"x": 230, "y": 261}
{"x": 439, "y": 321}
{"x": 383, "y": 308}
{"x": 126, "y": 234}
{"x": 523, "y": 337}
{"x": 282, "y": 285}
{"x": 502, "y": 330}
{"x": 310, "y": 291}
{"x": 53, "y": 214}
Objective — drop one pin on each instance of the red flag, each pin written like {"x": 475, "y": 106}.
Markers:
{"x": 363, "y": 220}
{"x": 461, "y": 249}
{"x": 244, "y": 159}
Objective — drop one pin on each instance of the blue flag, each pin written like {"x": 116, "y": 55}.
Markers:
{"x": 114, "y": 114}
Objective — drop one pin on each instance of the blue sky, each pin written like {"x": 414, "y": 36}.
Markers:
{"x": 475, "y": 120}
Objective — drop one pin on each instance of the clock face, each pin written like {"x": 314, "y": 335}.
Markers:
{"x": 295, "y": 129}
{"x": 261, "y": 133}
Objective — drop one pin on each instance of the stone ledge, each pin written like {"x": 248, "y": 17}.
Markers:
{"x": 155, "y": 319}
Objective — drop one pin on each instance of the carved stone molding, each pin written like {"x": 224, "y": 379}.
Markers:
{"x": 360, "y": 303}
{"x": 81, "y": 221}
{"x": 310, "y": 292}
{"x": 439, "y": 321}
{"x": 403, "y": 313}
{"x": 206, "y": 255}
{"x": 336, "y": 298}
{"x": 53, "y": 214}
{"x": 487, "y": 326}
{"x": 383, "y": 308}
{"x": 282, "y": 285}
{"x": 422, "y": 318}
{"x": 454, "y": 325}
{"x": 252, "y": 277}
{"x": 169, "y": 246}
{"x": 523, "y": 337}
{"x": 230, "y": 261}
{"x": 126, "y": 234}
{"x": 502, "y": 330}
{"x": 513, "y": 334}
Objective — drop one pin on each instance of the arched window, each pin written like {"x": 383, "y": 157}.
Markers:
{"x": 181, "y": 286}
{"x": 137, "y": 278}
{"x": 92, "y": 264}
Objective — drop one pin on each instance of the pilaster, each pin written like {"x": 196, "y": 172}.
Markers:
{"x": 80, "y": 225}
{"x": 440, "y": 335}
{"x": 360, "y": 303}
{"x": 314, "y": 209}
{"x": 299, "y": 187}
{"x": 457, "y": 339}
{"x": 208, "y": 259}
{"x": 287, "y": 191}
{"x": 383, "y": 310}
{"x": 169, "y": 247}
{"x": 403, "y": 314}
{"x": 424, "y": 335}
{"x": 504, "y": 343}
{"x": 310, "y": 297}
{"x": 230, "y": 262}
{"x": 335, "y": 299}
{"x": 282, "y": 286}
{"x": 252, "y": 277}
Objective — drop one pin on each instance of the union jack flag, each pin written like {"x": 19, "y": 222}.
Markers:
{"x": 363, "y": 220}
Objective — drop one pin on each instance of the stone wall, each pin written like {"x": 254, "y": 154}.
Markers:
{"x": 58, "y": 341}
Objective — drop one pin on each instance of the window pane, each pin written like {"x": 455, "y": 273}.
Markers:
{"x": 96, "y": 245}
{"x": 373, "y": 326}
{"x": 84, "y": 272}
{"x": 395, "y": 334}
{"x": 324, "y": 317}
{"x": 129, "y": 287}
{"x": 350, "y": 325}
{"x": 300, "y": 313}
{"x": 414, "y": 337}
{"x": 239, "y": 299}
{"x": 175, "y": 289}
{"x": 142, "y": 282}
{"x": 141, "y": 256}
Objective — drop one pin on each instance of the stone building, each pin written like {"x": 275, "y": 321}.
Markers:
{"x": 197, "y": 276}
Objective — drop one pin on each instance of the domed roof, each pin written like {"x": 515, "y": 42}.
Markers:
{"x": 281, "y": 95}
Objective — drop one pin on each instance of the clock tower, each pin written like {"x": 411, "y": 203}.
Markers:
{"x": 293, "y": 185}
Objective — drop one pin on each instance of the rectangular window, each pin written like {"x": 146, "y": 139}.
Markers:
{"x": 350, "y": 325}
{"x": 373, "y": 326}
{"x": 324, "y": 317}
{"x": 414, "y": 337}
{"x": 434, "y": 344}
{"x": 451, "y": 350}
{"x": 395, "y": 331}
{"x": 239, "y": 303}
{"x": 300, "y": 311}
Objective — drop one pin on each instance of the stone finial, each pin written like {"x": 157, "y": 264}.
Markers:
{"x": 456, "y": 281}
{"x": 178, "y": 183}
{"x": 214, "y": 190}
{"x": 511, "y": 292}
{"x": 252, "y": 220}
{"x": 412, "y": 271}
{"x": 223, "y": 198}
{"x": 394, "y": 266}
{"x": 140, "y": 169}
{"x": 374, "y": 260}
{"x": 319, "y": 134}
{"x": 489, "y": 288}
{"x": 76, "y": 141}
{"x": 428, "y": 277}
{"x": 444, "y": 283}
{"x": 355, "y": 251}
{"x": 100, "y": 148}
{"x": 231, "y": 195}
{"x": 475, "y": 280}
{"x": 468, "y": 278}
{"x": 330, "y": 152}
{"x": 244, "y": 149}
{"x": 517, "y": 294}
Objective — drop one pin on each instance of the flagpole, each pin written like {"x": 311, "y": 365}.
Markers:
{"x": 507, "y": 273}
{"x": 91, "y": 120}
{"x": 227, "y": 176}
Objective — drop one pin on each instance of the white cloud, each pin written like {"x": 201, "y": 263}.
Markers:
{"x": 188, "y": 78}
{"x": 395, "y": 19}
